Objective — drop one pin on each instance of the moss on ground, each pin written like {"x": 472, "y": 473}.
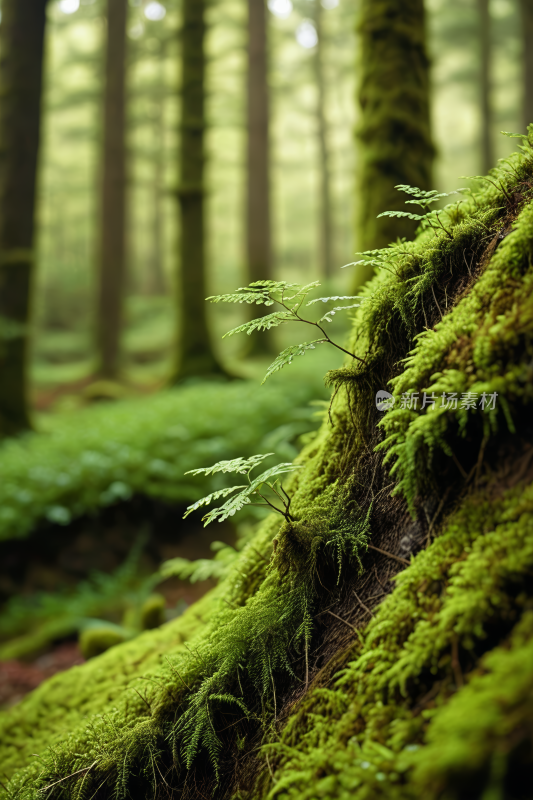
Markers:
{"x": 380, "y": 645}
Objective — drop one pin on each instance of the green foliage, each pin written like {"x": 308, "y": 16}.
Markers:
{"x": 101, "y": 455}
{"x": 291, "y": 296}
{"x": 241, "y": 466}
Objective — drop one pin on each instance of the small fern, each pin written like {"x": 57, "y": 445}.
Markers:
{"x": 291, "y": 297}
{"x": 424, "y": 200}
{"x": 249, "y": 493}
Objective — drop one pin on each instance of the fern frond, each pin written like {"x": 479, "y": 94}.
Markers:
{"x": 407, "y": 214}
{"x": 332, "y": 311}
{"x": 243, "y": 296}
{"x": 199, "y": 570}
{"x": 237, "y": 465}
{"x": 335, "y": 298}
{"x": 210, "y": 498}
{"x": 287, "y": 355}
{"x": 262, "y": 324}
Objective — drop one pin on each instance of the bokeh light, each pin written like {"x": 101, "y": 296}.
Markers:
{"x": 154, "y": 11}
{"x": 306, "y": 34}
{"x": 280, "y": 8}
{"x": 68, "y": 6}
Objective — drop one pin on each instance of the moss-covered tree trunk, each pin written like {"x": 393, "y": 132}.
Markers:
{"x": 21, "y": 57}
{"x": 326, "y": 221}
{"x": 113, "y": 200}
{"x": 487, "y": 155}
{"x": 195, "y": 353}
{"x": 393, "y": 134}
{"x": 527, "y": 39}
{"x": 258, "y": 227}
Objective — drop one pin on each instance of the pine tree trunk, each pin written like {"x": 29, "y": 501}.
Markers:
{"x": 21, "y": 58}
{"x": 326, "y": 223}
{"x": 113, "y": 200}
{"x": 487, "y": 156}
{"x": 258, "y": 232}
{"x": 393, "y": 134}
{"x": 527, "y": 38}
{"x": 195, "y": 354}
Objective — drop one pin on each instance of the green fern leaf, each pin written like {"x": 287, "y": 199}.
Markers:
{"x": 335, "y": 298}
{"x": 407, "y": 214}
{"x": 237, "y": 465}
{"x": 210, "y": 498}
{"x": 243, "y": 296}
{"x": 328, "y": 316}
{"x": 287, "y": 355}
{"x": 262, "y": 324}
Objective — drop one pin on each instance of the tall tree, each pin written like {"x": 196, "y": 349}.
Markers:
{"x": 195, "y": 353}
{"x": 393, "y": 134}
{"x": 258, "y": 225}
{"x": 21, "y": 59}
{"x": 156, "y": 276}
{"x": 527, "y": 39}
{"x": 113, "y": 199}
{"x": 326, "y": 221}
{"x": 487, "y": 156}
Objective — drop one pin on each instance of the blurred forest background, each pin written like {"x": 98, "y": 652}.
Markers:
{"x": 65, "y": 307}
{"x": 91, "y": 499}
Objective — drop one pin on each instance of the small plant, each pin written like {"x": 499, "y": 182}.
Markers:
{"x": 424, "y": 200}
{"x": 250, "y": 491}
{"x": 291, "y": 298}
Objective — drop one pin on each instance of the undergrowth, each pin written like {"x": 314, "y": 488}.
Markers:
{"x": 104, "y": 454}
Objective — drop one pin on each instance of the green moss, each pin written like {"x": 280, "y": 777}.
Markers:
{"x": 95, "y": 641}
{"x": 456, "y": 621}
{"x": 102, "y": 455}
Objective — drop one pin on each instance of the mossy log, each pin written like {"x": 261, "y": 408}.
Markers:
{"x": 380, "y": 646}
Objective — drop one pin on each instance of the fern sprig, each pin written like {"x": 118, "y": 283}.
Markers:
{"x": 424, "y": 200}
{"x": 249, "y": 493}
{"x": 291, "y": 297}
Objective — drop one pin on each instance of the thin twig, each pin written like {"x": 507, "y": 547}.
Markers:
{"x": 143, "y": 699}
{"x": 437, "y": 512}
{"x": 456, "y": 665}
{"x": 436, "y": 301}
{"x": 72, "y": 774}
{"x": 458, "y": 465}
{"x": 269, "y": 769}
{"x": 390, "y": 555}
{"x": 177, "y": 673}
{"x": 361, "y": 603}
{"x": 349, "y": 624}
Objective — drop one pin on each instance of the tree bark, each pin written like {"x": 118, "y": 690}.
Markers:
{"x": 393, "y": 134}
{"x": 527, "y": 38}
{"x": 326, "y": 222}
{"x": 21, "y": 58}
{"x": 113, "y": 198}
{"x": 258, "y": 225}
{"x": 487, "y": 155}
{"x": 195, "y": 353}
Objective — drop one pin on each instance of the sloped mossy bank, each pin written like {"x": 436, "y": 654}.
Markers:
{"x": 382, "y": 644}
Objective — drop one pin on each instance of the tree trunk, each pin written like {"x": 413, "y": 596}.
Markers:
{"x": 195, "y": 354}
{"x": 527, "y": 38}
{"x": 113, "y": 201}
{"x": 487, "y": 156}
{"x": 21, "y": 57}
{"x": 326, "y": 223}
{"x": 156, "y": 277}
{"x": 393, "y": 134}
{"x": 258, "y": 233}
